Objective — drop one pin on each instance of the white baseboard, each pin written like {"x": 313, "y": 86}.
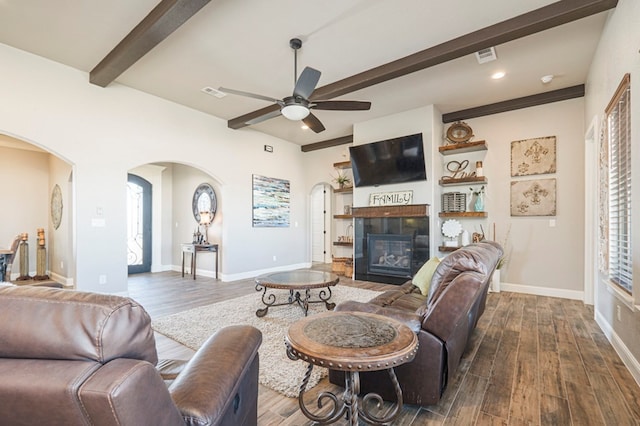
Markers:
{"x": 625, "y": 354}
{"x": 543, "y": 291}
{"x": 243, "y": 275}
{"x": 67, "y": 282}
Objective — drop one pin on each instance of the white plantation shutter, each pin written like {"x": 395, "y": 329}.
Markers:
{"x": 618, "y": 115}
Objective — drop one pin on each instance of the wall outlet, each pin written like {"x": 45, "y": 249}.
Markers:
{"x": 274, "y": 258}
{"x": 61, "y": 264}
{"x": 618, "y": 313}
{"x": 102, "y": 279}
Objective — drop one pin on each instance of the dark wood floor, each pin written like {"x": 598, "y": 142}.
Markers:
{"x": 532, "y": 361}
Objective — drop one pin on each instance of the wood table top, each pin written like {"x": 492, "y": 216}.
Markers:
{"x": 352, "y": 341}
{"x": 302, "y": 279}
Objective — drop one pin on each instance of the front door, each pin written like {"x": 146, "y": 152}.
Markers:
{"x": 138, "y": 224}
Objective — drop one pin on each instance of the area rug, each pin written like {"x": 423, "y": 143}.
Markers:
{"x": 277, "y": 371}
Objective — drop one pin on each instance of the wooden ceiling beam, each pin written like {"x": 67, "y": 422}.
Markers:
{"x": 343, "y": 140}
{"x": 163, "y": 20}
{"x": 544, "y": 18}
{"x": 518, "y": 103}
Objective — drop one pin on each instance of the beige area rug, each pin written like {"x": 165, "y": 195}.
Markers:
{"x": 277, "y": 371}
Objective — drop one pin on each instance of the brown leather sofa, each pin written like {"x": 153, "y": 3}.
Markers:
{"x": 74, "y": 358}
{"x": 444, "y": 321}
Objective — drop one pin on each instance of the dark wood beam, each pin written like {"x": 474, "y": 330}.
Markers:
{"x": 163, "y": 20}
{"x": 327, "y": 144}
{"x": 518, "y": 103}
{"x": 541, "y": 19}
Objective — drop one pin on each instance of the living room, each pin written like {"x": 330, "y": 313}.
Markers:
{"x": 94, "y": 137}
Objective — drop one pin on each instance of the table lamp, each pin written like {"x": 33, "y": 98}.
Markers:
{"x": 205, "y": 220}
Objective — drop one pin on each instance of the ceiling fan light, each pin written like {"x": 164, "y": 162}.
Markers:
{"x": 295, "y": 112}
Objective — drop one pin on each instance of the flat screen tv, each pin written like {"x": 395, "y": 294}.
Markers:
{"x": 389, "y": 161}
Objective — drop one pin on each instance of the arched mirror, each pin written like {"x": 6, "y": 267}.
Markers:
{"x": 204, "y": 200}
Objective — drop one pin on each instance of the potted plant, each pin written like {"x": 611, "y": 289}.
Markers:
{"x": 342, "y": 180}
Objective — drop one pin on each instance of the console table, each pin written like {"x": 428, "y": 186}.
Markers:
{"x": 193, "y": 250}
{"x": 351, "y": 342}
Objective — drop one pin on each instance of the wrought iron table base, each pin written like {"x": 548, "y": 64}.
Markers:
{"x": 349, "y": 405}
{"x": 295, "y": 296}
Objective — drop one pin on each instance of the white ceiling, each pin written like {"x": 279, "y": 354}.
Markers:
{"x": 244, "y": 45}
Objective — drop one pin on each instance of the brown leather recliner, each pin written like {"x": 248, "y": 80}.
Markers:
{"x": 75, "y": 358}
{"x": 444, "y": 321}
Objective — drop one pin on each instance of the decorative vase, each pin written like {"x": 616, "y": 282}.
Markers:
{"x": 478, "y": 205}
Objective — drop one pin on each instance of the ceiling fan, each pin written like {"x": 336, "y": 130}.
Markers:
{"x": 298, "y": 106}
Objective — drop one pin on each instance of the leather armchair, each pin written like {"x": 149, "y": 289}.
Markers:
{"x": 444, "y": 321}
{"x": 76, "y": 358}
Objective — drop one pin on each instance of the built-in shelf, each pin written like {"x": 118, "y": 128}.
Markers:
{"x": 347, "y": 190}
{"x": 473, "y": 180}
{"x": 446, "y": 248}
{"x": 341, "y": 243}
{"x": 463, "y": 214}
{"x": 342, "y": 165}
{"x": 343, "y": 216}
{"x": 461, "y": 148}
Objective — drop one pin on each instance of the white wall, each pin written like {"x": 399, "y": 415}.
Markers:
{"x": 104, "y": 132}
{"x": 543, "y": 258}
{"x": 616, "y": 55}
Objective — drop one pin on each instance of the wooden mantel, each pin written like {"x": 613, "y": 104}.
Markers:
{"x": 413, "y": 210}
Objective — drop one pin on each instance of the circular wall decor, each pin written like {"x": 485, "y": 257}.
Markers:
{"x": 459, "y": 132}
{"x": 451, "y": 228}
{"x": 56, "y": 206}
{"x": 204, "y": 200}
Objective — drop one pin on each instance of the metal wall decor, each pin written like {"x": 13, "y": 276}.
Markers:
{"x": 56, "y": 206}
{"x": 533, "y": 197}
{"x": 533, "y": 156}
{"x": 204, "y": 200}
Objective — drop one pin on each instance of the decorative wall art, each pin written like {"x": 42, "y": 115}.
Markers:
{"x": 271, "y": 207}
{"x": 533, "y": 197}
{"x": 533, "y": 156}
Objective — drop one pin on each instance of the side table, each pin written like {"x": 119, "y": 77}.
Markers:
{"x": 351, "y": 342}
{"x": 193, "y": 250}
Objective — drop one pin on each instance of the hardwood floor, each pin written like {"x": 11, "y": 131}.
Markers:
{"x": 532, "y": 361}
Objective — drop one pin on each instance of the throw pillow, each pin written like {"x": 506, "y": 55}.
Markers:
{"x": 422, "y": 279}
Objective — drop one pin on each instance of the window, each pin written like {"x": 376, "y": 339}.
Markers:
{"x": 618, "y": 131}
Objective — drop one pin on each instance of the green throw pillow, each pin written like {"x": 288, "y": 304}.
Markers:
{"x": 422, "y": 279}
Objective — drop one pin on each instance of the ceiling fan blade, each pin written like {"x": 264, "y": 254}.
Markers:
{"x": 313, "y": 123}
{"x": 307, "y": 82}
{"x": 264, "y": 117}
{"x": 341, "y": 105}
{"x": 248, "y": 95}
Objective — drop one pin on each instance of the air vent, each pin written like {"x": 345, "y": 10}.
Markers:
{"x": 214, "y": 92}
{"x": 486, "y": 55}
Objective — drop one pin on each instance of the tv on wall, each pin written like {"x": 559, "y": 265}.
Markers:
{"x": 389, "y": 161}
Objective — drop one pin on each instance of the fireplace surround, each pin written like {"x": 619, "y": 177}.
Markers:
{"x": 390, "y": 243}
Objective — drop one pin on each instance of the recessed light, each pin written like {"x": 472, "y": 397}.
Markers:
{"x": 498, "y": 75}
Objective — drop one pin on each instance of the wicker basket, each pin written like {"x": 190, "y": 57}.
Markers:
{"x": 338, "y": 264}
{"x": 454, "y": 202}
{"x": 348, "y": 268}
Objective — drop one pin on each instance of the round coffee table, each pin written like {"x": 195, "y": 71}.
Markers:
{"x": 351, "y": 342}
{"x": 295, "y": 282}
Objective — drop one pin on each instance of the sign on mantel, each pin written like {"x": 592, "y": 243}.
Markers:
{"x": 397, "y": 198}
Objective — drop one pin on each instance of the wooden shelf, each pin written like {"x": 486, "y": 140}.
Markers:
{"x": 473, "y": 180}
{"x": 343, "y": 216}
{"x": 464, "y": 214}
{"x": 461, "y": 148}
{"x": 445, "y": 248}
{"x": 412, "y": 210}
{"x": 347, "y": 190}
{"x": 342, "y": 165}
{"x": 341, "y": 243}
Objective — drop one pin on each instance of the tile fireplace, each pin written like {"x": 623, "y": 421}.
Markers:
{"x": 390, "y": 243}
